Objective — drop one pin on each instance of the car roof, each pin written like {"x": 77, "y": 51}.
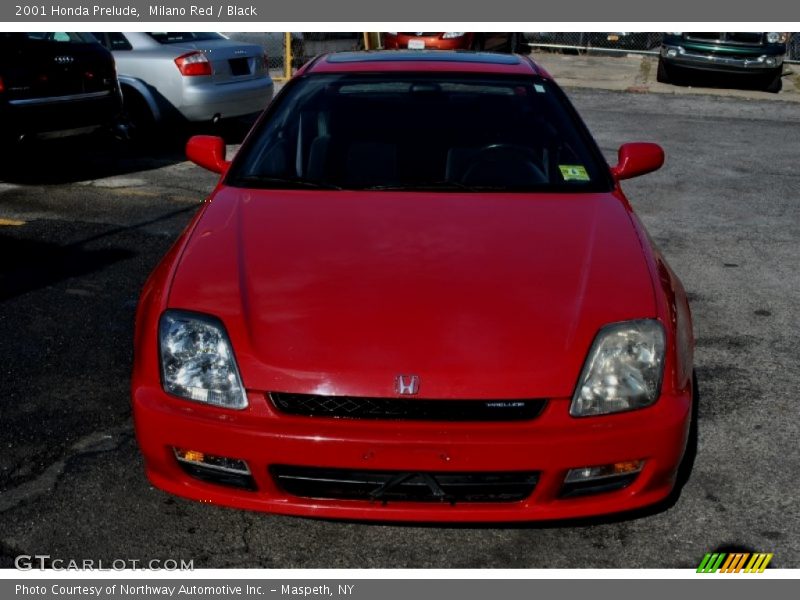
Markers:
{"x": 423, "y": 61}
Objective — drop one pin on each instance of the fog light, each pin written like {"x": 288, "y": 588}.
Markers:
{"x": 770, "y": 61}
{"x": 215, "y": 469}
{"x": 672, "y": 53}
{"x": 603, "y": 478}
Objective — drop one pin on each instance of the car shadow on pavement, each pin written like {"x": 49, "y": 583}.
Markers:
{"x": 39, "y": 264}
{"x": 69, "y": 160}
{"x": 720, "y": 81}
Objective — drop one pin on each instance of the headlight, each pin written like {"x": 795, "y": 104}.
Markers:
{"x": 197, "y": 361}
{"x": 776, "y": 38}
{"x": 623, "y": 369}
{"x": 452, "y": 34}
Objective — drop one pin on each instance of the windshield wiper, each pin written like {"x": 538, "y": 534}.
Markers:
{"x": 264, "y": 182}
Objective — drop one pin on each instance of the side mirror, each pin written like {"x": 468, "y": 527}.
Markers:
{"x": 638, "y": 158}
{"x": 208, "y": 151}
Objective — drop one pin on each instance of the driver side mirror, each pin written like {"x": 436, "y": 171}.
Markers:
{"x": 638, "y": 158}
{"x": 208, "y": 151}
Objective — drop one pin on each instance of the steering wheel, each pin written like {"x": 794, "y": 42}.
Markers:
{"x": 510, "y": 164}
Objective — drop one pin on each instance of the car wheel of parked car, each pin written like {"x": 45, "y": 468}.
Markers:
{"x": 137, "y": 117}
{"x": 773, "y": 82}
{"x": 663, "y": 74}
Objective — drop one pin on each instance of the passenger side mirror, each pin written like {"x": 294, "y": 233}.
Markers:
{"x": 208, "y": 151}
{"x": 638, "y": 158}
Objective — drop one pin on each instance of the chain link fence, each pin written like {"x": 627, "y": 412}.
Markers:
{"x": 288, "y": 51}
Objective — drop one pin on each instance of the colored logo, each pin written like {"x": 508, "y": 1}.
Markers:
{"x": 736, "y": 562}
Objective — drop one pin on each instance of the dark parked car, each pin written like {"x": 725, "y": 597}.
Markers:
{"x": 56, "y": 84}
{"x": 758, "y": 55}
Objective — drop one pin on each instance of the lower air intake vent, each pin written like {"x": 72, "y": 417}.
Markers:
{"x": 388, "y": 486}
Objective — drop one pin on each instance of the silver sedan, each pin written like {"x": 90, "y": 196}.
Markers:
{"x": 196, "y": 77}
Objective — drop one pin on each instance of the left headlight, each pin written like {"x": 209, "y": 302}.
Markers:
{"x": 197, "y": 361}
{"x": 623, "y": 370}
{"x": 776, "y": 37}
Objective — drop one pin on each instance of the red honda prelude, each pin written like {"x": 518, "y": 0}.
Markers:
{"x": 417, "y": 293}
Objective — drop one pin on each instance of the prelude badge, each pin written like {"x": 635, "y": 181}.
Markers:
{"x": 407, "y": 385}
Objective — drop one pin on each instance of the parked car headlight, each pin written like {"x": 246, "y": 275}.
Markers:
{"x": 197, "y": 361}
{"x": 776, "y": 38}
{"x": 623, "y": 369}
{"x": 452, "y": 35}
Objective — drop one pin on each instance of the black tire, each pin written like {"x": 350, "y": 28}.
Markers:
{"x": 690, "y": 453}
{"x": 773, "y": 82}
{"x": 137, "y": 117}
{"x": 664, "y": 73}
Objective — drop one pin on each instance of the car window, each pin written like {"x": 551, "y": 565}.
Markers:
{"x": 117, "y": 41}
{"x": 62, "y": 36}
{"x": 184, "y": 36}
{"x": 428, "y": 131}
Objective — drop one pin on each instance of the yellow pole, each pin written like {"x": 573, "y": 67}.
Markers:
{"x": 287, "y": 55}
{"x": 366, "y": 40}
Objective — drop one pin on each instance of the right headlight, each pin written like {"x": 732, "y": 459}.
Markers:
{"x": 776, "y": 38}
{"x": 623, "y": 370}
{"x": 197, "y": 361}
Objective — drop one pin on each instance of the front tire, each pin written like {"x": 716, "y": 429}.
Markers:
{"x": 773, "y": 82}
{"x": 664, "y": 72}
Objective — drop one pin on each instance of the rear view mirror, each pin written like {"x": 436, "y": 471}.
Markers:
{"x": 638, "y": 158}
{"x": 208, "y": 151}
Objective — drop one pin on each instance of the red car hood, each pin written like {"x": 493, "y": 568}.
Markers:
{"x": 480, "y": 295}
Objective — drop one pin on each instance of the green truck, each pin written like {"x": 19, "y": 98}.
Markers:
{"x": 757, "y": 55}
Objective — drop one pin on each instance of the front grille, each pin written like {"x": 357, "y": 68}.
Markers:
{"x": 386, "y": 486}
{"x": 353, "y": 407}
{"x": 741, "y": 38}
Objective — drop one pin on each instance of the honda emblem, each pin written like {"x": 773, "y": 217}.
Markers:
{"x": 407, "y": 385}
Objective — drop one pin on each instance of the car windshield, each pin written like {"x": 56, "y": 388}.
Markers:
{"x": 422, "y": 131}
{"x": 181, "y": 37}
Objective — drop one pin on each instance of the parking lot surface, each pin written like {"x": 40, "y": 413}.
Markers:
{"x": 82, "y": 224}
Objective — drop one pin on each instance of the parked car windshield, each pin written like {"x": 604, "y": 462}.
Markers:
{"x": 181, "y": 37}
{"x": 422, "y": 131}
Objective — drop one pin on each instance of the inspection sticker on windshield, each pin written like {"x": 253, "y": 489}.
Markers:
{"x": 573, "y": 172}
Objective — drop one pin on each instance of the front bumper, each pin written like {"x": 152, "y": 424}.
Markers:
{"x": 551, "y": 444}
{"x": 755, "y": 63}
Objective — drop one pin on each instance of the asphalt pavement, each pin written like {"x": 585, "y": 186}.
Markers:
{"x": 82, "y": 224}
